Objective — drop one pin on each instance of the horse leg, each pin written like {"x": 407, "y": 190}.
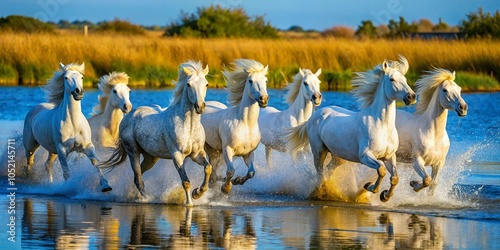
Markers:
{"x": 228, "y": 154}
{"x": 178, "y": 158}
{"x": 148, "y": 162}
{"x": 369, "y": 160}
{"x": 240, "y": 180}
{"x": 419, "y": 167}
{"x": 435, "y": 173}
{"x": 391, "y": 167}
{"x": 89, "y": 151}
{"x": 268, "y": 155}
{"x": 30, "y": 146}
{"x": 134, "y": 157}
{"x": 48, "y": 164}
{"x": 62, "y": 154}
{"x": 215, "y": 161}
{"x": 319, "y": 156}
{"x": 201, "y": 159}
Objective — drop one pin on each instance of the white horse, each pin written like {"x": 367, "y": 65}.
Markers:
{"x": 437, "y": 93}
{"x": 303, "y": 94}
{"x": 108, "y": 113}
{"x": 368, "y": 136}
{"x": 234, "y": 131}
{"x": 59, "y": 125}
{"x": 175, "y": 133}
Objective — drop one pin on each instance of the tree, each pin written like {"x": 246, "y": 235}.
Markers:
{"x": 296, "y": 28}
{"x": 481, "y": 25}
{"x": 25, "y": 24}
{"x": 215, "y": 21}
{"x": 120, "y": 27}
{"x": 441, "y": 26}
{"x": 425, "y": 25}
{"x": 400, "y": 29}
{"x": 366, "y": 30}
{"x": 339, "y": 31}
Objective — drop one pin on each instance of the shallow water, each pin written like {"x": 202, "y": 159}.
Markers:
{"x": 272, "y": 210}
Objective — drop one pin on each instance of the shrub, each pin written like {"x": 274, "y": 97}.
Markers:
{"x": 120, "y": 27}
{"x": 24, "y": 24}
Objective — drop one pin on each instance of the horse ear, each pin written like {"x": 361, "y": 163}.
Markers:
{"x": 246, "y": 71}
{"x": 385, "y": 66}
{"x": 205, "y": 71}
{"x": 61, "y": 65}
{"x": 186, "y": 71}
{"x": 318, "y": 72}
{"x": 301, "y": 72}
{"x": 265, "y": 68}
{"x": 82, "y": 67}
{"x": 453, "y": 74}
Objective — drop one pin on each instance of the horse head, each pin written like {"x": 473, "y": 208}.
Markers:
{"x": 73, "y": 81}
{"x": 310, "y": 86}
{"x": 197, "y": 86}
{"x": 120, "y": 97}
{"x": 396, "y": 86}
{"x": 450, "y": 97}
{"x": 257, "y": 82}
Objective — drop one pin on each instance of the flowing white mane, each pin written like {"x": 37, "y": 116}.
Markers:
{"x": 191, "y": 66}
{"x": 366, "y": 83}
{"x": 236, "y": 79}
{"x": 106, "y": 84}
{"x": 54, "y": 89}
{"x": 294, "y": 87}
{"x": 428, "y": 83}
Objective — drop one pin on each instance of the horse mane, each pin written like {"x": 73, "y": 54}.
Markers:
{"x": 366, "y": 83}
{"x": 235, "y": 80}
{"x": 294, "y": 87}
{"x": 191, "y": 66}
{"x": 54, "y": 89}
{"x": 105, "y": 85}
{"x": 427, "y": 85}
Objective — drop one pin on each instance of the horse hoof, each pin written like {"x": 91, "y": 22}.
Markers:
{"x": 226, "y": 188}
{"x": 367, "y": 186}
{"x": 237, "y": 181}
{"x": 196, "y": 193}
{"x": 383, "y": 196}
{"x": 106, "y": 189}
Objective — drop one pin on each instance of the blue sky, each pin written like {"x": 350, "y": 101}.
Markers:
{"x": 312, "y": 14}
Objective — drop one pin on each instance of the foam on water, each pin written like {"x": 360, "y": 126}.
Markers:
{"x": 283, "y": 178}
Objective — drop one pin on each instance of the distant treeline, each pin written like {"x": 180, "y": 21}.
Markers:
{"x": 218, "y": 22}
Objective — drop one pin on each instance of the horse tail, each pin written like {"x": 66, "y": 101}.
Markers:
{"x": 118, "y": 156}
{"x": 297, "y": 138}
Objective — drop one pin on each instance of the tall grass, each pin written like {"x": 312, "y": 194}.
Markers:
{"x": 153, "y": 61}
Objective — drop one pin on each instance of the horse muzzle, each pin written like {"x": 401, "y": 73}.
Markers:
{"x": 199, "y": 108}
{"x": 77, "y": 95}
{"x": 263, "y": 100}
{"x": 316, "y": 99}
{"x": 126, "y": 108}
{"x": 461, "y": 110}
{"x": 410, "y": 99}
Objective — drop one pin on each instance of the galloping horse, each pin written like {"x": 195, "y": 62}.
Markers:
{"x": 174, "y": 133}
{"x": 437, "y": 93}
{"x": 59, "y": 125}
{"x": 234, "y": 131}
{"x": 303, "y": 94}
{"x": 368, "y": 136}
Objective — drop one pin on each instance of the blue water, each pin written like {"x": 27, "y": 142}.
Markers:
{"x": 469, "y": 185}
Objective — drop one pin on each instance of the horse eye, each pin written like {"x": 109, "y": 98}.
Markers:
{"x": 206, "y": 85}
{"x": 392, "y": 79}
{"x": 250, "y": 81}
{"x": 444, "y": 90}
{"x": 188, "y": 84}
{"x": 66, "y": 77}
{"x": 305, "y": 83}
{"x": 114, "y": 91}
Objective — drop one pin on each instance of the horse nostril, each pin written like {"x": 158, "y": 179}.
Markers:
{"x": 78, "y": 91}
{"x": 462, "y": 107}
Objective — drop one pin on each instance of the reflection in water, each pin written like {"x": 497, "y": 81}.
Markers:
{"x": 63, "y": 225}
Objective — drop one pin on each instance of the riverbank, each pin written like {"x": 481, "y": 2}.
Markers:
{"x": 30, "y": 59}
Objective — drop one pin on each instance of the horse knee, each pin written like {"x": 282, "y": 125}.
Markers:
{"x": 381, "y": 171}
{"x": 186, "y": 185}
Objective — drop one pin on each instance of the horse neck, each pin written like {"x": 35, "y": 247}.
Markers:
{"x": 186, "y": 110}
{"x": 301, "y": 109}
{"x": 248, "y": 109}
{"x": 71, "y": 109}
{"x": 111, "y": 118}
{"x": 436, "y": 116}
{"x": 383, "y": 109}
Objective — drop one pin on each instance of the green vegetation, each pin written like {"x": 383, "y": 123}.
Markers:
{"x": 218, "y": 22}
{"x": 481, "y": 25}
{"x": 24, "y": 24}
{"x": 120, "y": 27}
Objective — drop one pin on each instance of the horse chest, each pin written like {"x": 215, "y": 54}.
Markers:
{"x": 245, "y": 140}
